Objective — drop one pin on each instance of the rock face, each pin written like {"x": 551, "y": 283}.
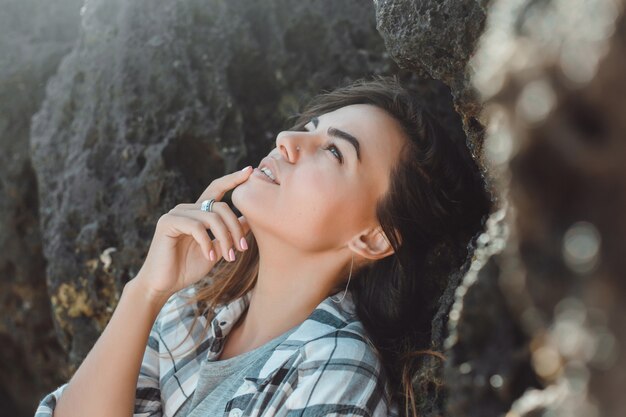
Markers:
{"x": 34, "y": 36}
{"x": 436, "y": 38}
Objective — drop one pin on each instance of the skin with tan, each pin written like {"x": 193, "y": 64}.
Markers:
{"x": 307, "y": 229}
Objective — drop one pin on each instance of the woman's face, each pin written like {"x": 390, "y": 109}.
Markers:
{"x": 328, "y": 189}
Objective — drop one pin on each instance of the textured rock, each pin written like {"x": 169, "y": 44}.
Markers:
{"x": 488, "y": 360}
{"x": 437, "y": 38}
{"x": 34, "y": 36}
{"x": 552, "y": 341}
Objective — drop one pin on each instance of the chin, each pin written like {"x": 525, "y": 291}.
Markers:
{"x": 243, "y": 199}
{"x": 236, "y": 198}
{"x": 246, "y": 201}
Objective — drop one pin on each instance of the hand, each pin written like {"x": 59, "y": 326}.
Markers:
{"x": 180, "y": 251}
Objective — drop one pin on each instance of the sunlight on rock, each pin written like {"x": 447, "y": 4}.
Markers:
{"x": 536, "y": 101}
{"x": 546, "y": 362}
{"x": 581, "y": 247}
{"x": 105, "y": 257}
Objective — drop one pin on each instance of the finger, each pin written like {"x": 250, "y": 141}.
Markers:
{"x": 184, "y": 206}
{"x": 194, "y": 206}
{"x": 221, "y": 185}
{"x": 234, "y": 223}
{"x": 214, "y": 222}
{"x": 230, "y": 219}
{"x": 175, "y": 226}
{"x": 203, "y": 240}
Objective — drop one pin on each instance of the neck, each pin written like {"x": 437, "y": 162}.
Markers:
{"x": 290, "y": 284}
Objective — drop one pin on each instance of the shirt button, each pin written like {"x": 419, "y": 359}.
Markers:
{"x": 236, "y": 413}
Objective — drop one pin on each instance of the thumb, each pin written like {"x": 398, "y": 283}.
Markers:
{"x": 220, "y": 186}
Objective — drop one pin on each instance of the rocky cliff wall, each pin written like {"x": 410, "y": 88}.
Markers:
{"x": 34, "y": 37}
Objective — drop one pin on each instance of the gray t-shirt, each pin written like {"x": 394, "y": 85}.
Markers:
{"x": 218, "y": 380}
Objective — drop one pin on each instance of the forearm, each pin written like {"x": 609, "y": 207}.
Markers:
{"x": 105, "y": 383}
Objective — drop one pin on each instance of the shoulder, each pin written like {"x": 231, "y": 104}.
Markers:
{"x": 335, "y": 341}
{"x": 342, "y": 371}
{"x": 350, "y": 344}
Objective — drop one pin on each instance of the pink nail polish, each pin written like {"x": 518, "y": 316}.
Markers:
{"x": 243, "y": 243}
{"x": 231, "y": 253}
{"x": 212, "y": 255}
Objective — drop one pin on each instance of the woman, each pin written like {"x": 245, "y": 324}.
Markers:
{"x": 327, "y": 300}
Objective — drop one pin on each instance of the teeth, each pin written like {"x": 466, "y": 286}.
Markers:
{"x": 267, "y": 172}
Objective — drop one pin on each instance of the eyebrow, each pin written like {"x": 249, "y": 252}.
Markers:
{"x": 341, "y": 135}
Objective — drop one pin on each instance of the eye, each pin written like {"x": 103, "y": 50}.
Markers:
{"x": 337, "y": 154}
{"x": 312, "y": 125}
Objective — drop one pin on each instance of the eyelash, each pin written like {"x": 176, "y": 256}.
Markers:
{"x": 338, "y": 155}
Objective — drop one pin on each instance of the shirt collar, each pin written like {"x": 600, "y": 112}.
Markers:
{"x": 326, "y": 318}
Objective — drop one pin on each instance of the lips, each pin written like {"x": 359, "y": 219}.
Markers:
{"x": 270, "y": 163}
{"x": 261, "y": 175}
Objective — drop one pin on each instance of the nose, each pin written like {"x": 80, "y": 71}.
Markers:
{"x": 291, "y": 144}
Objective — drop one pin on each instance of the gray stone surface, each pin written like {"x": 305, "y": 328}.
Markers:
{"x": 437, "y": 38}
{"x": 34, "y": 36}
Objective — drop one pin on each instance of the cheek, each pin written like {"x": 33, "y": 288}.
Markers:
{"x": 304, "y": 210}
{"x": 321, "y": 201}
{"x": 313, "y": 188}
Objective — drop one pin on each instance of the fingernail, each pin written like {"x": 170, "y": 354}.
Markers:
{"x": 246, "y": 168}
{"x": 212, "y": 255}
{"x": 243, "y": 243}
{"x": 231, "y": 253}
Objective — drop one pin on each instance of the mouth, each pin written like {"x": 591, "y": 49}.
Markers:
{"x": 268, "y": 168}
{"x": 263, "y": 176}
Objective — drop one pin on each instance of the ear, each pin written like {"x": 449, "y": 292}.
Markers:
{"x": 371, "y": 244}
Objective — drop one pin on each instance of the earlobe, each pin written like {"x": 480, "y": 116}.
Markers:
{"x": 372, "y": 244}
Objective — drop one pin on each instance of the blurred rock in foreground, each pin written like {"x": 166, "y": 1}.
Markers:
{"x": 552, "y": 74}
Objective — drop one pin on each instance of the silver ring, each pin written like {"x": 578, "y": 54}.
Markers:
{"x": 207, "y": 205}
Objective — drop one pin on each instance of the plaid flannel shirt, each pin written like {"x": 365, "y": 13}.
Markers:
{"x": 326, "y": 367}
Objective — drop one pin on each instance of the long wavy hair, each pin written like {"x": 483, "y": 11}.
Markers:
{"x": 435, "y": 204}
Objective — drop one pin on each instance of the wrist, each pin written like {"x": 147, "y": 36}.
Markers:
{"x": 137, "y": 289}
